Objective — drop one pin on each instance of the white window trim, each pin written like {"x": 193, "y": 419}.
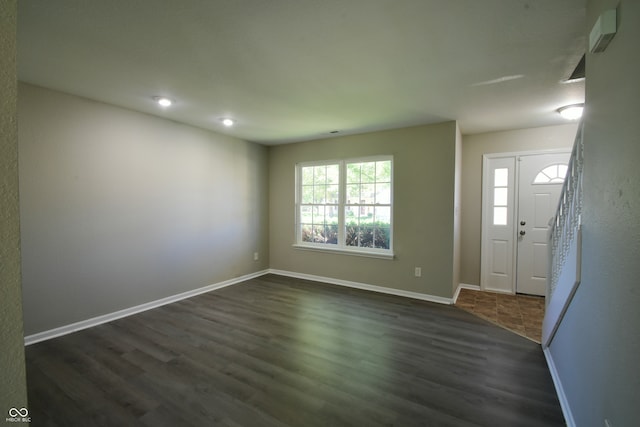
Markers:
{"x": 370, "y": 253}
{"x": 340, "y": 247}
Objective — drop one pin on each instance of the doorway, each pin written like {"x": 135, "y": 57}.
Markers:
{"x": 520, "y": 193}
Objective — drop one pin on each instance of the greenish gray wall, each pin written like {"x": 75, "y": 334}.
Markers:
{"x": 473, "y": 148}
{"x": 423, "y": 215}
{"x": 596, "y": 347}
{"x": 120, "y": 208}
{"x": 13, "y": 388}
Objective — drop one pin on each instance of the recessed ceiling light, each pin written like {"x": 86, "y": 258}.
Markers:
{"x": 227, "y": 122}
{"x": 163, "y": 101}
{"x": 571, "y": 112}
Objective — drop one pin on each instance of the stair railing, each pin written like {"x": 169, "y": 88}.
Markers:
{"x": 565, "y": 242}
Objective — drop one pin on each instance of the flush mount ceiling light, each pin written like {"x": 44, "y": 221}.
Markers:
{"x": 163, "y": 101}
{"x": 227, "y": 122}
{"x": 571, "y": 112}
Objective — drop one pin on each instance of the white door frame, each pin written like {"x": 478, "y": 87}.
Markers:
{"x": 486, "y": 216}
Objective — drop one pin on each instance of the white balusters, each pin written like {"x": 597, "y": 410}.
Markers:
{"x": 568, "y": 215}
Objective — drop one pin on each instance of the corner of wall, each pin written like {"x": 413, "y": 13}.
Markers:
{"x": 13, "y": 390}
{"x": 457, "y": 208}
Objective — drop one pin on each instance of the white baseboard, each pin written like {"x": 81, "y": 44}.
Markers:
{"x": 95, "y": 321}
{"x": 464, "y": 286}
{"x": 564, "y": 403}
{"x": 84, "y": 324}
{"x": 365, "y": 286}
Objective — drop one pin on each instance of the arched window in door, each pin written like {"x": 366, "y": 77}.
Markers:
{"x": 553, "y": 174}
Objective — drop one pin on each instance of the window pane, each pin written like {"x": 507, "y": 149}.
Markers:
{"x": 333, "y": 174}
{"x": 499, "y": 216}
{"x": 551, "y": 171}
{"x": 318, "y": 234}
{"x": 352, "y": 235}
{"x": 306, "y": 215}
{"x": 353, "y": 193}
{"x": 367, "y": 193}
{"x": 382, "y": 216}
{"x": 368, "y": 172}
{"x": 350, "y": 213}
{"x": 366, "y": 237}
{"x": 307, "y": 175}
{"x": 541, "y": 178}
{"x": 501, "y": 177}
{"x": 332, "y": 194}
{"x": 331, "y": 215}
{"x": 366, "y": 215}
{"x": 500, "y": 196}
{"x": 320, "y": 174}
{"x": 353, "y": 173}
{"x": 318, "y": 215}
{"x": 306, "y": 233}
{"x": 382, "y": 238}
{"x": 319, "y": 193}
{"x": 383, "y": 171}
{"x": 562, "y": 171}
{"x": 331, "y": 234}
{"x": 307, "y": 194}
{"x": 383, "y": 193}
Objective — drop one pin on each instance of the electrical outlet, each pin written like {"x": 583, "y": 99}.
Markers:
{"x": 256, "y": 256}
{"x": 418, "y": 272}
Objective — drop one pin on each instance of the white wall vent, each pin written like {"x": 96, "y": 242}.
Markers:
{"x": 603, "y": 31}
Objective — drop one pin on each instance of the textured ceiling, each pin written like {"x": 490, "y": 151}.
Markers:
{"x": 293, "y": 70}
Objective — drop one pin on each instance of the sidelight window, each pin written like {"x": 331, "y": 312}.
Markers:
{"x": 500, "y": 196}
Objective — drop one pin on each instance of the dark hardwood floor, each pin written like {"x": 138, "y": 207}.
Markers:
{"x": 276, "y": 351}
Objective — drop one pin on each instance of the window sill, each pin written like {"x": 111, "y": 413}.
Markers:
{"x": 342, "y": 251}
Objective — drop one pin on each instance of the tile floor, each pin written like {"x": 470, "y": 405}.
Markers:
{"x": 521, "y": 314}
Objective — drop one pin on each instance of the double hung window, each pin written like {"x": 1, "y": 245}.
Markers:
{"x": 345, "y": 205}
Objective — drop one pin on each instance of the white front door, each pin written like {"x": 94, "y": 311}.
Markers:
{"x": 540, "y": 184}
{"x": 520, "y": 195}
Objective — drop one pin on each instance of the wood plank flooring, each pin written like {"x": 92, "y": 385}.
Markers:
{"x": 276, "y": 351}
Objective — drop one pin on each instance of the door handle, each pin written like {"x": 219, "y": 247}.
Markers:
{"x": 522, "y": 232}
{"x": 523, "y": 223}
